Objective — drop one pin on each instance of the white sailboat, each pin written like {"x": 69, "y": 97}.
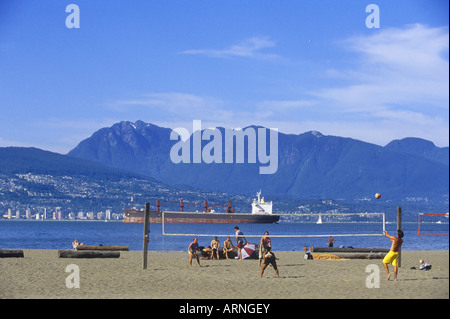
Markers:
{"x": 319, "y": 221}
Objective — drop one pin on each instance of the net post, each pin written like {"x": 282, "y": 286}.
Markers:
{"x": 418, "y": 229}
{"x": 146, "y": 234}
{"x": 162, "y": 228}
{"x": 163, "y": 223}
{"x": 420, "y": 223}
{"x": 399, "y": 226}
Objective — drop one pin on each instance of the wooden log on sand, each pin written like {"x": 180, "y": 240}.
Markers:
{"x": 348, "y": 250}
{"x": 101, "y": 247}
{"x": 66, "y": 253}
{"x": 10, "y": 253}
{"x": 361, "y": 256}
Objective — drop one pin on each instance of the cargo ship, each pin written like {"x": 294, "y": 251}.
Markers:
{"x": 261, "y": 214}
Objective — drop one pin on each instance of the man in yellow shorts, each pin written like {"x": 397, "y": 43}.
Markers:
{"x": 392, "y": 256}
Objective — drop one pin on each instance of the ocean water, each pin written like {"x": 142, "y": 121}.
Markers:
{"x": 60, "y": 234}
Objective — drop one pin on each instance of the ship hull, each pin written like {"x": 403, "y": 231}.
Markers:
{"x": 201, "y": 218}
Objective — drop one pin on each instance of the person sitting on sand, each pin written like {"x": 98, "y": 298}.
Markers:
{"x": 75, "y": 244}
{"x": 392, "y": 256}
{"x": 308, "y": 254}
{"x": 192, "y": 249}
{"x": 269, "y": 258}
{"x": 227, "y": 246}
{"x": 215, "y": 245}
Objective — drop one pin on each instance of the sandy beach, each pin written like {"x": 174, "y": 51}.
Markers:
{"x": 41, "y": 274}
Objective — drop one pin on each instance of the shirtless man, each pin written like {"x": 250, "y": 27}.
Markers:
{"x": 330, "y": 242}
{"x": 227, "y": 246}
{"x": 392, "y": 256}
{"x": 215, "y": 245}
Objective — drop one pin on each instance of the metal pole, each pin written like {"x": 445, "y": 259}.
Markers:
{"x": 146, "y": 234}
{"x": 163, "y": 231}
{"x": 399, "y": 226}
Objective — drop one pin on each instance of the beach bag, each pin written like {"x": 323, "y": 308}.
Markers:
{"x": 425, "y": 267}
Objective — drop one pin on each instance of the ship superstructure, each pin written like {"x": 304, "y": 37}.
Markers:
{"x": 261, "y": 214}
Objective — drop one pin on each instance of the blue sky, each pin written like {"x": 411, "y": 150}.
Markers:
{"x": 293, "y": 65}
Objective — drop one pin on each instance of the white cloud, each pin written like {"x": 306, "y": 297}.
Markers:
{"x": 396, "y": 86}
{"x": 249, "y": 48}
{"x": 416, "y": 49}
{"x": 176, "y": 106}
{"x": 287, "y": 104}
{"x": 396, "y": 66}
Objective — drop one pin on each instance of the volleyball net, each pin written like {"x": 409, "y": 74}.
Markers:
{"x": 288, "y": 226}
{"x": 433, "y": 224}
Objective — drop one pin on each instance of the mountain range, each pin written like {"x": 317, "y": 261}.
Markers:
{"x": 310, "y": 165}
{"x": 316, "y": 173}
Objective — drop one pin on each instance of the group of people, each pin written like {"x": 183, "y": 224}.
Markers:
{"x": 214, "y": 248}
{"x": 266, "y": 256}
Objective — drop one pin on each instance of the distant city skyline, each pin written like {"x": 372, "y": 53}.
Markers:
{"x": 297, "y": 66}
{"x": 57, "y": 214}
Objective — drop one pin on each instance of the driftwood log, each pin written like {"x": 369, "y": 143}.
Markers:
{"x": 10, "y": 253}
{"x": 66, "y": 253}
{"x": 361, "y": 255}
{"x": 348, "y": 250}
{"x": 101, "y": 247}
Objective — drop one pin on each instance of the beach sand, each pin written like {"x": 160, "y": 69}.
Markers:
{"x": 41, "y": 274}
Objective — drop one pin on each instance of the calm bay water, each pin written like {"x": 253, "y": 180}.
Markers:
{"x": 60, "y": 234}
